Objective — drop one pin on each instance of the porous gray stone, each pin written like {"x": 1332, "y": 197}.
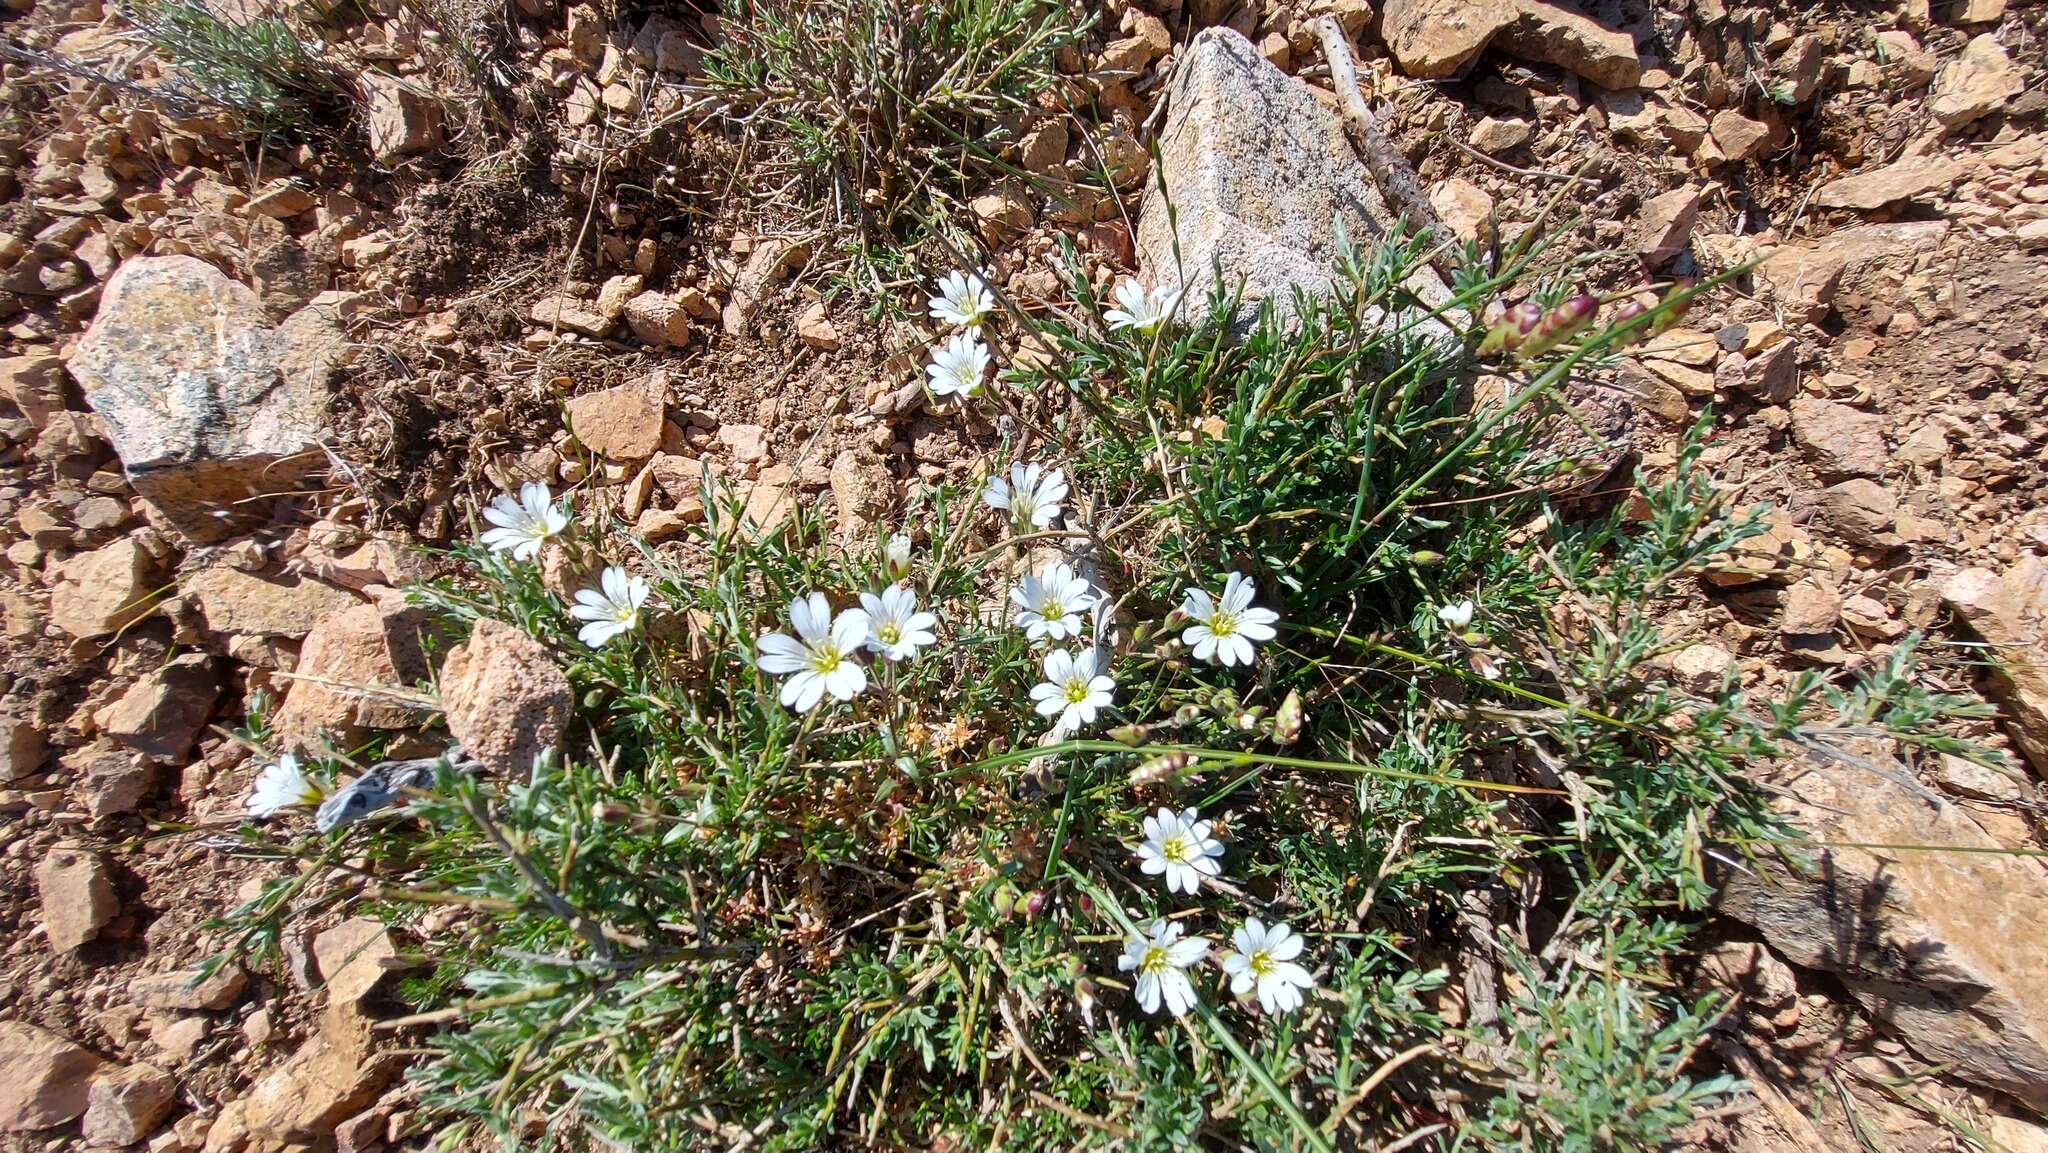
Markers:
{"x": 205, "y": 402}
{"x": 1257, "y": 176}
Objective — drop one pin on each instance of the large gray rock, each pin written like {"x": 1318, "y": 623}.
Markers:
{"x": 1942, "y": 937}
{"x": 206, "y": 403}
{"x": 1258, "y": 174}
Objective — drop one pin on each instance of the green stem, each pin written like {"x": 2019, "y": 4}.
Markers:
{"x": 1242, "y": 757}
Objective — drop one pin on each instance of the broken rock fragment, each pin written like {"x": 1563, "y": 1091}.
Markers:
{"x": 1840, "y": 440}
{"x": 1434, "y": 39}
{"x": 1914, "y": 178}
{"x": 622, "y": 423}
{"x": 102, "y": 591}
{"x": 126, "y": 1104}
{"x": 336, "y": 1072}
{"x": 401, "y": 120}
{"x": 1975, "y": 84}
{"x": 2009, "y": 610}
{"x": 505, "y": 699}
{"x": 1664, "y": 226}
{"x": 1944, "y": 946}
{"x": 354, "y": 957}
{"x": 659, "y": 319}
{"x": 162, "y": 714}
{"x": 236, "y": 603}
{"x": 46, "y": 1081}
{"x": 348, "y": 667}
{"x": 1555, "y": 34}
{"x": 78, "y": 897}
{"x": 177, "y": 990}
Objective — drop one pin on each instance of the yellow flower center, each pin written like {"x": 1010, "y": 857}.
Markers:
{"x": 826, "y": 659}
{"x": 1077, "y": 691}
{"x": 1261, "y": 962}
{"x": 889, "y": 634}
{"x": 1155, "y": 960}
{"x": 1175, "y": 849}
{"x": 1050, "y": 608}
{"x": 1223, "y": 623}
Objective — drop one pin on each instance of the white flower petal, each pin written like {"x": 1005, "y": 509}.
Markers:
{"x": 778, "y": 654}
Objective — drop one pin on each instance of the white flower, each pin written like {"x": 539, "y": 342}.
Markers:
{"x": 1031, "y": 494}
{"x": 1179, "y": 845}
{"x": 1073, "y": 690}
{"x": 957, "y": 366}
{"x": 1264, "y": 960}
{"x": 280, "y": 786}
{"x": 1225, "y": 628}
{"x": 523, "y": 525}
{"x": 612, "y": 608}
{"x": 896, "y": 556}
{"x": 822, "y": 661}
{"x": 896, "y": 629}
{"x": 1160, "y": 958}
{"x": 962, "y": 301}
{"x": 1050, "y": 604}
{"x": 1139, "y": 309}
{"x": 1457, "y": 616}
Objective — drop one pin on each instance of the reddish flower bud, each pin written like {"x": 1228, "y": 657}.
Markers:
{"x": 1561, "y": 323}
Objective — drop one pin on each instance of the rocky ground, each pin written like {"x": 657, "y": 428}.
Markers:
{"x": 243, "y": 390}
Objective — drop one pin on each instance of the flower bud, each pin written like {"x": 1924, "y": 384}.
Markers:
{"x": 1561, "y": 323}
{"x": 1034, "y": 902}
{"x": 1128, "y": 734}
{"x": 1005, "y": 902}
{"x": 1156, "y": 770}
{"x": 896, "y": 557}
{"x": 1287, "y": 719}
{"x": 1513, "y": 327}
{"x": 1671, "y": 316}
{"x": 1426, "y": 558}
{"x": 1630, "y": 309}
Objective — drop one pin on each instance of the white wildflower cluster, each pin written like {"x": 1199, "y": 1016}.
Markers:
{"x": 1180, "y": 848}
{"x": 822, "y": 659}
{"x": 1054, "y": 605}
{"x": 961, "y": 361}
{"x": 827, "y": 654}
{"x": 520, "y": 527}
